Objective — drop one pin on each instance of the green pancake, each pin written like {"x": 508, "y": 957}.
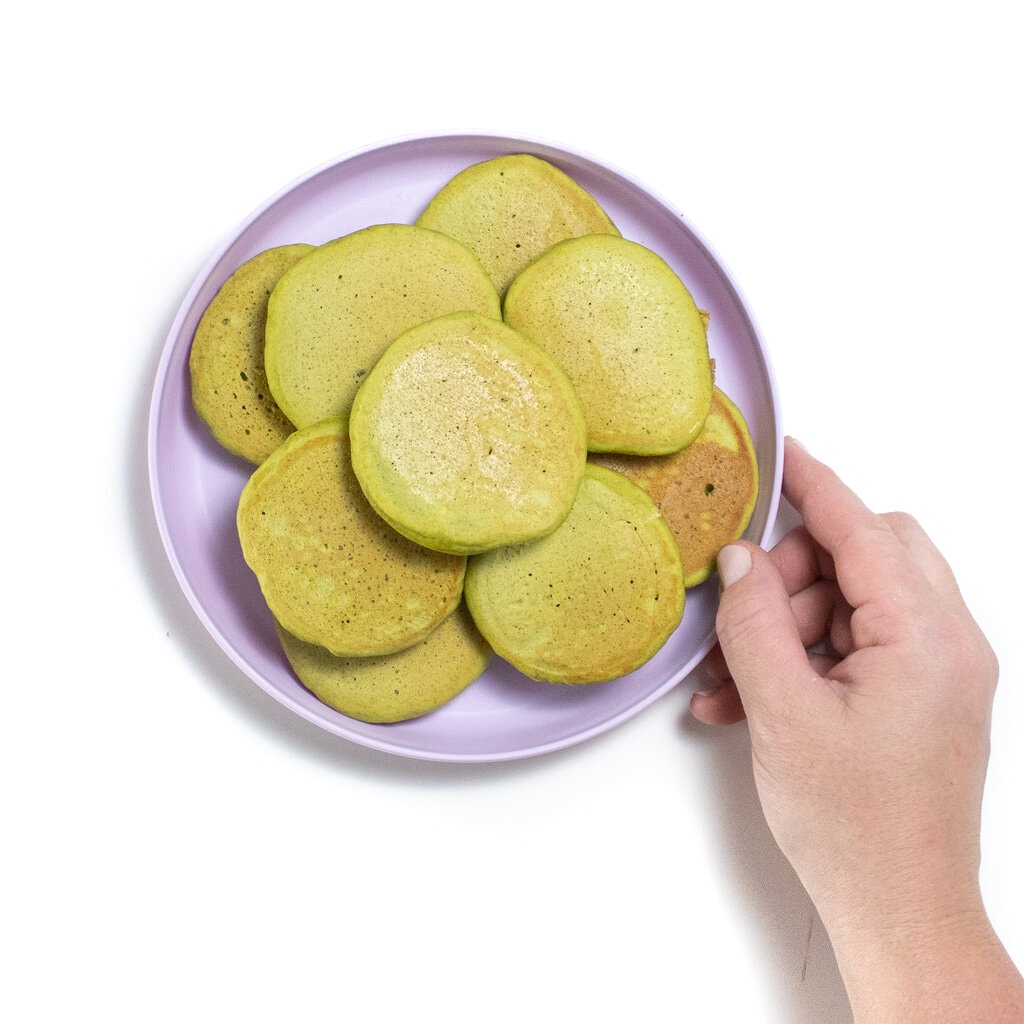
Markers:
{"x": 466, "y": 436}
{"x": 510, "y": 209}
{"x": 332, "y": 572}
{"x": 229, "y": 380}
{"x": 592, "y": 601}
{"x": 394, "y": 687}
{"x": 333, "y": 314}
{"x": 629, "y": 335}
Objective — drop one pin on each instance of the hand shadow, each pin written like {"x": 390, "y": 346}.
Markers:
{"x": 797, "y": 956}
{"x": 796, "y": 951}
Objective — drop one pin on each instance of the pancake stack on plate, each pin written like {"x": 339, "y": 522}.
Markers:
{"x": 441, "y": 475}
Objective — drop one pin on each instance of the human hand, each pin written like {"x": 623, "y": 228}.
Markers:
{"x": 869, "y": 755}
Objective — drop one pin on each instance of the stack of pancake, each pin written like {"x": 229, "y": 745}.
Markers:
{"x": 495, "y": 430}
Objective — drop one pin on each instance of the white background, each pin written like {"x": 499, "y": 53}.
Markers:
{"x": 177, "y": 846}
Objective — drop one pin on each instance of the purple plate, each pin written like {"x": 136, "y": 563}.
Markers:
{"x": 196, "y": 484}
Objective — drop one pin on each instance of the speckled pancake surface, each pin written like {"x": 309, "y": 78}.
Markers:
{"x": 629, "y": 334}
{"x": 707, "y": 491}
{"x": 466, "y": 436}
{"x": 229, "y": 379}
{"x": 331, "y": 571}
{"x": 592, "y": 601}
{"x": 394, "y": 687}
{"x": 512, "y": 208}
{"x": 333, "y": 314}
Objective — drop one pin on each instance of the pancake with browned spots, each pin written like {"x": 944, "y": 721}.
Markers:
{"x": 707, "y": 491}
{"x": 331, "y": 570}
{"x": 229, "y": 379}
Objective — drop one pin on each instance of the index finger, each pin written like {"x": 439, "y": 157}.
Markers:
{"x": 867, "y": 554}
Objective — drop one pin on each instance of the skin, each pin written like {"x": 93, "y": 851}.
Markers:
{"x": 869, "y": 751}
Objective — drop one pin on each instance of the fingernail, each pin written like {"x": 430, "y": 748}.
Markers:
{"x": 797, "y": 442}
{"x": 733, "y": 564}
{"x": 707, "y": 693}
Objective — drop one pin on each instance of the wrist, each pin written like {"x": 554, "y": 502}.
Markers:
{"x": 951, "y": 968}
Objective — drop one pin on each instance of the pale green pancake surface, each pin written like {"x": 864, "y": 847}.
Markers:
{"x": 332, "y": 572}
{"x": 706, "y": 491}
{"x": 229, "y": 379}
{"x": 628, "y": 333}
{"x": 508, "y": 210}
{"x": 592, "y": 601}
{"x": 394, "y": 687}
{"x": 466, "y": 436}
{"x": 333, "y": 314}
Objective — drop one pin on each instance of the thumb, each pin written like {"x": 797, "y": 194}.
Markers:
{"x": 758, "y": 632}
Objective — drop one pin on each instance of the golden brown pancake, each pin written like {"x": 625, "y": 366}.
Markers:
{"x": 466, "y": 436}
{"x": 229, "y": 380}
{"x": 707, "y": 491}
{"x": 629, "y": 335}
{"x": 510, "y": 209}
{"x": 332, "y": 572}
{"x": 333, "y": 314}
{"x": 394, "y": 687}
{"x": 592, "y": 601}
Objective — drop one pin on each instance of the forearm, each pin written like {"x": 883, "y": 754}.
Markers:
{"x": 960, "y": 973}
